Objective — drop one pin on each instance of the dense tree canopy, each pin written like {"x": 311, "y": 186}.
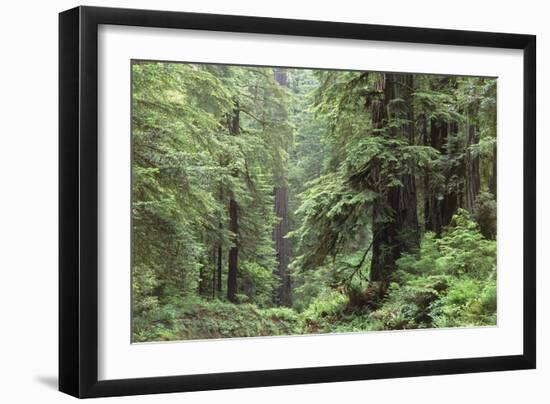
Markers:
{"x": 270, "y": 201}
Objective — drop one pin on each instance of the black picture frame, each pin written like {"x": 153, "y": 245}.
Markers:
{"x": 78, "y": 201}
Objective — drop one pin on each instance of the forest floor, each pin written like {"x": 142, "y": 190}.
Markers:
{"x": 218, "y": 319}
{"x": 404, "y": 308}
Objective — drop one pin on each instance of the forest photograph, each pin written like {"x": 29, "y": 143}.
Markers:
{"x": 272, "y": 201}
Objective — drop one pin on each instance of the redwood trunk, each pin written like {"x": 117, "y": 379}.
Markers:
{"x": 400, "y": 232}
{"x": 282, "y": 246}
{"x": 282, "y": 250}
{"x": 472, "y": 184}
{"x": 233, "y": 260}
{"x": 441, "y": 203}
{"x": 219, "y": 270}
{"x": 493, "y": 180}
{"x": 233, "y": 252}
{"x": 219, "y": 263}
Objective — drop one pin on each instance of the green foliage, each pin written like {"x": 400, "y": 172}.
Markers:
{"x": 321, "y": 312}
{"x": 468, "y": 303}
{"x": 451, "y": 282}
{"x": 486, "y": 214}
{"x": 310, "y": 285}
{"x": 258, "y": 282}
{"x": 363, "y": 156}
{"x": 464, "y": 249}
{"x": 199, "y": 319}
{"x": 186, "y": 165}
{"x": 409, "y": 305}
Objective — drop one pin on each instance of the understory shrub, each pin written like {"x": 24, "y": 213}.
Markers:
{"x": 450, "y": 282}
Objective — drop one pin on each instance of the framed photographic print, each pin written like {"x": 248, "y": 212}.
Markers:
{"x": 251, "y": 201}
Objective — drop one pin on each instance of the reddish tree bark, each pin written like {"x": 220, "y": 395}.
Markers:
{"x": 472, "y": 184}
{"x": 399, "y": 232}
{"x": 233, "y": 252}
{"x": 233, "y": 256}
{"x": 282, "y": 249}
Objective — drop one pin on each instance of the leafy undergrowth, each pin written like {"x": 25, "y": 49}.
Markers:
{"x": 449, "y": 282}
{"x": 410, "y": 307}
{"x": 202, "y": 319}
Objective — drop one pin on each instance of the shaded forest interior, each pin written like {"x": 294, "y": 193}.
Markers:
{"x": 277, "y": 201}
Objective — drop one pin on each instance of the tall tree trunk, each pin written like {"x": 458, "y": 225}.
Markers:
{"x": 400, "y": 232}
{"x": 493, "y": 179}
{"x": 202, "y": 281}
{"x": 281, "y": 245}
{"x": 233, "y": 252}
{"x": 449, "y": 200}
{"x": 385, "y": 245}
{"x": 233, "y": 260}
{"x": 472, "y": 184}
{"x": 441, "y": 203}
{"x": 429, "y": 211}
{"x": 283, "y": 292}
{"x": 219, "y": 264}
{"x": 214, "y": 274}
{"x": 219, "y": 270}
{"x": 408, "y": 215}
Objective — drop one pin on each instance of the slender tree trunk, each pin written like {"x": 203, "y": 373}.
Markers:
{"x": 233, "y": 252}
{"x": 233, "y": 260}
{"x": 219, "y": 264}
{"x": 213, "y": 274}
{"x": 283, "y": 292}
{"x": 442, "y": 202}
{"x": 281, "y": 245}
{"x": 429, "y": 216}
{"x": 201, "y": 281}
{"x": 472, "y": 184}
{"x": 385, "y": 246}
{"x": 219, "y": 270}
{"x": 383, "y": 251}
{"x": 493, "y": 179}
{"x": 452, "y": 194}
